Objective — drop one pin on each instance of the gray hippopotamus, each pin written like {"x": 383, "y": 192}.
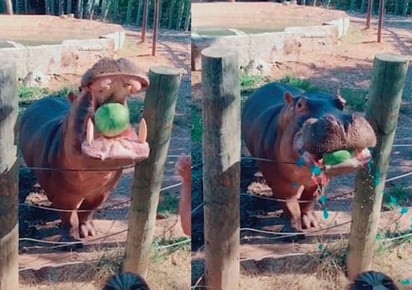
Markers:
{"x": 294, "y": 128}
{"x": 60, "y": 134}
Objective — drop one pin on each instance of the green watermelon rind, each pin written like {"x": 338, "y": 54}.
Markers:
{"x": 111, "y": 119}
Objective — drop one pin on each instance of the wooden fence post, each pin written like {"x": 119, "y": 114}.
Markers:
{"x": 159, "y": 111}
{"x": 156, "y": 12}
{"x": 385, "y": 93}
{"x": 144, "y": 20}
{"x": 8, "y": 178}
{"x": 221, "y": 166}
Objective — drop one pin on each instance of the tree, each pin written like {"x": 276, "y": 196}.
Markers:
{"x": 9, "y": 7}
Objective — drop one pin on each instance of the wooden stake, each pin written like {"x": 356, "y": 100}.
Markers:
{"x": 221, "y": 166}
{"x": 388, "y": 77}
{"x": 159, "y": 111}
{"x": 9, "y": 238}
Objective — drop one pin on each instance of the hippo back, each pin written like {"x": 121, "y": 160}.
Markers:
{"x": 259, "y": 116}
{"x": 41, "y": 124}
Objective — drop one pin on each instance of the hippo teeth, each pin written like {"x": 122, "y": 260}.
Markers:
{"x": 90, "y": 132}
{"x": 141, "y": 137}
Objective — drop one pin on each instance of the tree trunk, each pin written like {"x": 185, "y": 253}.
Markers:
{"x": 80, "y": 9}
{"x": 405, "y": 7}
{"x": 180, "y": 7}
{"x": 104, "y": 10}
{"x": 187, "y": 15}
{"x": 116, "y": 10}
{"x": 363, "y": 6}
{"x": 129, "y": 11}
{"x": 139, "y": 13}
{"x": 172, "y": 9}
{"x": 397, "y": 8}
{"x": 60, "y": 5}
{"x": 352, "y": 5}
{"x": 9, "y": 7}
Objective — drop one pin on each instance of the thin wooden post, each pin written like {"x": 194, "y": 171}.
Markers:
{"x": 155, "y": 25}
{"x": 385, "y": 93}
{"x": 369, "y": 14}
{"x": 9, "y": 234}
{"x": 221, "y": 166}
{"x": 380, "y": 22}
{"x": 144, "y": 20}
{"x": 159, "y": 110}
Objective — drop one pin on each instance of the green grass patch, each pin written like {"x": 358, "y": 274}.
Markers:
{"x": 355, "y": 98}
{"x": 396, "y": 196}
{"x": 168, "y": 203}
{"x": 26, "y": 93}
{"x": 250, "y": 81}
{"x": 162, "y": 247}
{"x": 297, "y": 82}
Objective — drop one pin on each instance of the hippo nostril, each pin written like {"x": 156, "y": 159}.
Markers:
{"x": 330, "y": 118}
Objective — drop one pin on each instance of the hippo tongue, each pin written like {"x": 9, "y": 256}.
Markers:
{"x": 127, "y": 145}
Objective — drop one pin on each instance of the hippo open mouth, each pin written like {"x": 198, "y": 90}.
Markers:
{"x": 127, "y": 145}
{"x": 330, "y": 134}
{"x": 113, "y": 86}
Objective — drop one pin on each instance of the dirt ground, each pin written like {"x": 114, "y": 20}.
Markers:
{"x": 42, "y": 266}
{"x": 269, "y": 264}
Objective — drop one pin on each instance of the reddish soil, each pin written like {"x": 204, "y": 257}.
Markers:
{"x": 349, "y": 66}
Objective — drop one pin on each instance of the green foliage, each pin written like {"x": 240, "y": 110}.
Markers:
{"x": 163, "y": 247}
{"x": 168, "y": 203}
{"x": 26, "y": 93}
{"x": 355, "y": 98}
{"x": 395, "y": 197}
{"x": 296, "y": 82}
{"x": 250, "y": 81}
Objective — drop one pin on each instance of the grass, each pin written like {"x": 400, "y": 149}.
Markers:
{"x": 26, "y": 93}
{"x": 296, "y": 82}
{"x": 396, "y": 196}
{"x": 169, "y": 269}
{"x": 355, "y": 98}
{"x": 168, "y": 203}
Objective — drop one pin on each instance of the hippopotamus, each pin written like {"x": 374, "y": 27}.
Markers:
{"x": 76, "y": 165}
{"x": 289, "y": 130}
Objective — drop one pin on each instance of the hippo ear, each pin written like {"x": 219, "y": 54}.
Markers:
{"x": 340, "y": 101}
{"x": 288, "y": 98}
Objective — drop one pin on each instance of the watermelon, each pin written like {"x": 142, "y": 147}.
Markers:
{"x": 111, "y": 119}
{"x": 336, "y": 157}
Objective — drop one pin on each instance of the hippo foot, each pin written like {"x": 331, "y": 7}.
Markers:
{"x": 309, "y": 220}
{"x": 293, "y": 234}
{"x": 87, "y": 229}
{"x": 75, "y": 244}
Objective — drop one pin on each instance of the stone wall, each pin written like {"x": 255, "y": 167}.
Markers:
{"x": 69, "y": 57}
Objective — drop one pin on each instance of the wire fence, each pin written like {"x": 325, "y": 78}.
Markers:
{"x": 282, "y": 235}
{"x": 56, "y": 245}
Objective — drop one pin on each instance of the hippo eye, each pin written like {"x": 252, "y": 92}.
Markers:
{"x": 299, "y": 105}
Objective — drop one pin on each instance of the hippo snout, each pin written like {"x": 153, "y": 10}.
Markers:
{"x": 330, "y": 133}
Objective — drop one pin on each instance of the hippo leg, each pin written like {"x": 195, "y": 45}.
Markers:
{"x": 307, "y": 208}
{"x": 309, "y": 219}
{"x": 89, "y": 204}
{"x": 69, "y": 219}
{"x": 292, "y": 211}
